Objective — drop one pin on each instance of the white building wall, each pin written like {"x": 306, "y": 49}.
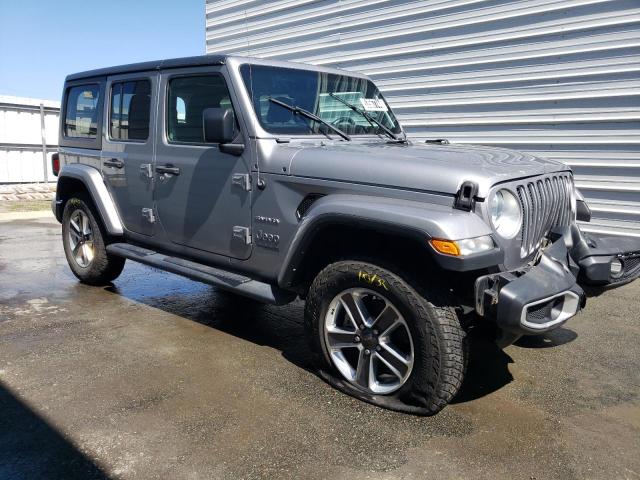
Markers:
{"x": 557, "y": 78}
{"x": 21, "y": 159}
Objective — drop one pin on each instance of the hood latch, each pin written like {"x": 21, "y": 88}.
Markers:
{"x": 466, "y": 196}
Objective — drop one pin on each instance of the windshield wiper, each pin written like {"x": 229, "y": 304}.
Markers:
{"x": 368, "y": 117}
{"x": 305, "y": 113}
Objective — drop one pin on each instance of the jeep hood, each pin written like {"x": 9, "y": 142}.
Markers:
{"x": 423, "y": 167}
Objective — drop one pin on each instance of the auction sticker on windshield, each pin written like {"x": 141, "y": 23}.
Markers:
{"x": 373, "y": 104}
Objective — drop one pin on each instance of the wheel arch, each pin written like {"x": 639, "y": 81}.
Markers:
{"x": 337, "y": 226}
{"x": 74, "y": 178}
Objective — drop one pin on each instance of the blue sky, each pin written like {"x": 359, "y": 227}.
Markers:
{"x": 43, "y": 41}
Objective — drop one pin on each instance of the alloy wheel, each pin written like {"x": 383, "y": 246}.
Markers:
{"x": 368, "y": 341}
{"x": 81, "y": 238}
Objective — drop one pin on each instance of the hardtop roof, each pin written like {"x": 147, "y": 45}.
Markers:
{"x": 200, "y": 60}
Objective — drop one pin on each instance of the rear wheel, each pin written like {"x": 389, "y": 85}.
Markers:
{"x": 85, "y": 244}
{"x": 374, "y": 336}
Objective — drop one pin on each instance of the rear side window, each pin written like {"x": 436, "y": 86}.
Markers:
{"x": 188, "y": 97}
{"x": 82, "y": 108}
{"x": 130, "y": 110}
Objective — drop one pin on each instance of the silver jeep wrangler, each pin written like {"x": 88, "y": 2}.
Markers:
{"x": 277, "y": 180}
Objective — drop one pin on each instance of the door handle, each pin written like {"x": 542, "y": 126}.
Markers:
{"x": 168, "y": 169}
{"x": 114, "y": 162}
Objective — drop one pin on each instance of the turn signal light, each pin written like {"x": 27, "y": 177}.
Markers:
{"x": 448, "y": 247}
{"x": 463, "y": 247}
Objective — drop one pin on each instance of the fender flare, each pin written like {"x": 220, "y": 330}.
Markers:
{"x": 92, "y": 179}
{"x": 405, "y": 217}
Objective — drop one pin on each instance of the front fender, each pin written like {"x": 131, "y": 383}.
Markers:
{"x": 94, "y": 183}
{"x": 401, "y": 217}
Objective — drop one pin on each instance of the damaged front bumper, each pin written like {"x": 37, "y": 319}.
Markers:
{"x": 607, "y": 260}
{"x": 537, "y": 298}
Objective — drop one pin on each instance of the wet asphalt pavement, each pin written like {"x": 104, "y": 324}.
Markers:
{"x": 161, "y": 377}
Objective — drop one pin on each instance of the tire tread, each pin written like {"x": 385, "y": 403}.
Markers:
{"x": 447, "y": 339}
{"x": 104, "y": 267}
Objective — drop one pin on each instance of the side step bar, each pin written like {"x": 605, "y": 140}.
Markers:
{"x": 233, "y": 282}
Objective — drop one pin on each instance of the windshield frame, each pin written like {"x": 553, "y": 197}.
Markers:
{"x": 255, "y": 124}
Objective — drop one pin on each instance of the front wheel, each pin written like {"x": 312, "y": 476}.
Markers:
{"x": 85, "y": 245}
{"x": 375, "y": 337}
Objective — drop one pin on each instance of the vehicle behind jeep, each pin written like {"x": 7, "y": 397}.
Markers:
{"x": 279, "y": 181}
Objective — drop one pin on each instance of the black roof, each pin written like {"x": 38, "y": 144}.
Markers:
{"x": 154, "y": 65}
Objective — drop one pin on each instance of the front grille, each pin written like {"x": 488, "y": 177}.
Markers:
{"x": 546, "y": 203}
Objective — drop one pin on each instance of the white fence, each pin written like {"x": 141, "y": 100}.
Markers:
{"x": 28, "y": 138}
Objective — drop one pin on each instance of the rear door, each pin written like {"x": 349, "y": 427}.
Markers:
{"x": 205, "y": 203}
{"x": 128, "y": 147}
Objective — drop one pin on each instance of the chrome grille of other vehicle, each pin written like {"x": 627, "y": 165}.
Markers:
{"x": 546, "y": 203}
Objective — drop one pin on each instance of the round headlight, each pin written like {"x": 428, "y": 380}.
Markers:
{"x": 506, "y": 216}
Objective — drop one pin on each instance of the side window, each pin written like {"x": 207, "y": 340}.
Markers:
{"x": 130, "y": 110}
{"x": 81, "y": 112}
{"x": 187, "y": 98}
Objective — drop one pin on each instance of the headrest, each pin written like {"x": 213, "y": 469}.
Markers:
{"x": 139, "y": 107}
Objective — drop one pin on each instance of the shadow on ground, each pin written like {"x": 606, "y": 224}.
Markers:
{"x": 30, "y": 448}
{"x": 594, "y": 291}
{"x": 282, "y": 328}
{"x": 487, "y": 367}
{"x": 555, "y": 338}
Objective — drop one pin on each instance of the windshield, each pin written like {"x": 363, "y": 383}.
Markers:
{"x": 319, "y": 93}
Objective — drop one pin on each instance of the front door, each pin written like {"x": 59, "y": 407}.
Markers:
{"x": 127, "y": 149}
{"x": 201, "y": 197}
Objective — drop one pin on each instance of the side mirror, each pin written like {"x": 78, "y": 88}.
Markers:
{"x": 219, "y": 125}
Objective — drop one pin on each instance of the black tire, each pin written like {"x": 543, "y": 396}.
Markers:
{"x": 103, "y": 268}
{"x": 439, "y": 341}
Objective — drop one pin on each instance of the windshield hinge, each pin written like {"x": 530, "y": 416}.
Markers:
{"x": 242, "y": 180}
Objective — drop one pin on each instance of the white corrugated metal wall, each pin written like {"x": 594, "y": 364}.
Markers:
{"x": 558, "y": 78}
{"x": 21, "y": 139}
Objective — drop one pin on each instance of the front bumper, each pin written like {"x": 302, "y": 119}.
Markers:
{"x": 534, "y": 299}
{"x": 595, "y": 254}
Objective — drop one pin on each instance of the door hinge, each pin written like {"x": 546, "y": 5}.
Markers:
{"x": 148, "y": 214}
{"x": 242, "y": 233}
{"x": 242, "y": 180}
{"x": 146, "y": 170}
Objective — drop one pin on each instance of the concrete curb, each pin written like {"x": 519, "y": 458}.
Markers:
{"x": 25, "y": 197}
{"x": 31, "y": 191}
{"x": 11, "y": 216}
